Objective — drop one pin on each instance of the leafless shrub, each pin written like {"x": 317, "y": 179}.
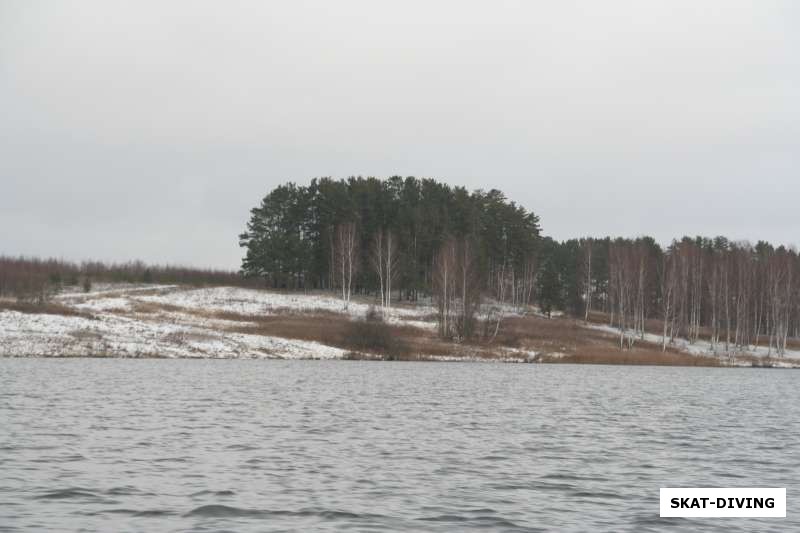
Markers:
{"x": 372, "y": 334}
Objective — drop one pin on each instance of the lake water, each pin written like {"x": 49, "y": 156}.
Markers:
{"x": 231, "y": 445}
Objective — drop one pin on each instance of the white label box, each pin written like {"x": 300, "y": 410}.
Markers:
{"x": 720, "y": 502}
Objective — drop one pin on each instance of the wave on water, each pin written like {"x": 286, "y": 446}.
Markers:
{"x": 154, "y": 513}
{"x": 212, "y": 493}
{"x": 77, "y": 494}
{"x": 63, "y": 494}
{"x": 227, "y": 511}
{"x": 476, "y": 521}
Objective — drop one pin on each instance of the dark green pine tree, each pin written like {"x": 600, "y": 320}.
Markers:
{"x": 277, "y": 240}
{"x": 549, "y": 287}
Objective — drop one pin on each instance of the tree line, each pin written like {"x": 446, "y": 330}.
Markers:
{"x": 403, "y": 238}
{"x": 734, "y": 295}
{"x": 731, "y": 294}
{"x": 36, "y": 280}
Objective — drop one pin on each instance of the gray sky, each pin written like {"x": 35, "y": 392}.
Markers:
{"x": 149, "y": 129}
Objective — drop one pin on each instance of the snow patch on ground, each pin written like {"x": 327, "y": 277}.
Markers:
{"x": 100, "y": 305}
{"x": 264, "y": 303}
{"x": 23, "y": 334}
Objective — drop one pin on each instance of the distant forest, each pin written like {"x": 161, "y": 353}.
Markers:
{"x": 35, "y": 280}
{"x": 403, "y": 238}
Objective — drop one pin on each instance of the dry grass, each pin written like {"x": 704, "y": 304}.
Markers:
{"x": 184, "y": 337}
{"x": 86, "y": 335}
{"x": 146, "y": 308}
{"x": 48, "y": 308}
{"x": 636, "y": 356}
{"x": 335, "y": 329}
{"x": 330, "y": 329}
{"x": 564, "y": 340}
{"x": 558, "y": 340}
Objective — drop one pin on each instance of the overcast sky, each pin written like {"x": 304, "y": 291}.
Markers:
{"x": 149, "y": 129}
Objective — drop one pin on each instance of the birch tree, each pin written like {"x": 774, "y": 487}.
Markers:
{"x": 346, "y": 258}
{"x": 587, "y": 277}
{"x": 385, "y": 262}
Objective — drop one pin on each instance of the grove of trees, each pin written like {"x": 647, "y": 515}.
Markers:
{"x": 389, "y": 237}
{"x": 732, "y": 294}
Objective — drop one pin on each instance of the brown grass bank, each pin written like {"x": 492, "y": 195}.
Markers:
{"x": 556, "y": 340}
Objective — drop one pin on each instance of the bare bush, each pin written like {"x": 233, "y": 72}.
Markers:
{"x": 372, "y": 334}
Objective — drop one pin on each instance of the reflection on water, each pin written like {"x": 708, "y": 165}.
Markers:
{"x": 188, "y": 445}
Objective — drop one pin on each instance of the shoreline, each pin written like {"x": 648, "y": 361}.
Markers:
{"x": 464, "y": 360}
{"x": 185, "y": 322}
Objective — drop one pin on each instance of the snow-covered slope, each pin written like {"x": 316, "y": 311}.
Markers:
{"x": 24, "y": 334}
{"x": 177, "y": 322}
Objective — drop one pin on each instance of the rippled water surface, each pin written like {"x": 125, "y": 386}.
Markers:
{"x": 198, "y": 445}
